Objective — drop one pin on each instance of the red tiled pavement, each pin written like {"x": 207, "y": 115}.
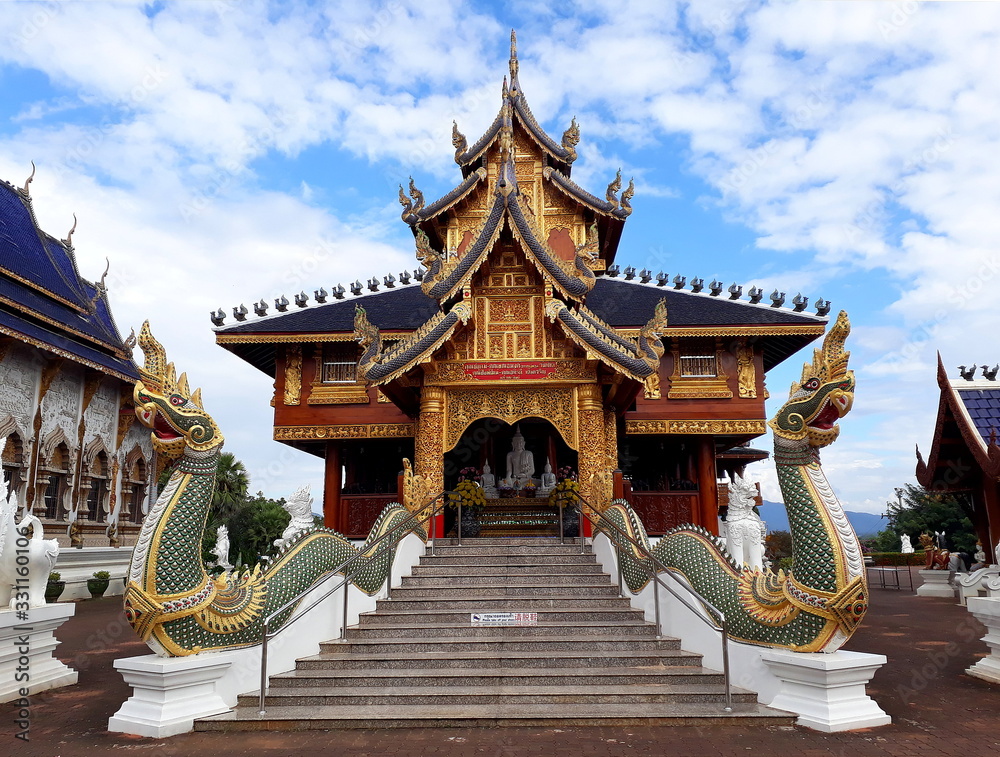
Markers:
{"x": 936, "y": 708}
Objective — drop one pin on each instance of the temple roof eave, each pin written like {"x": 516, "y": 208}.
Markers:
{"x": 609, "y": 351}
{"x": 461, "y": 274}
{"x": 452, "y": 198}
{"x": 418, "y": 348}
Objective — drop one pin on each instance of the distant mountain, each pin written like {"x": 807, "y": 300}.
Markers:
{"x": 865, "y": 524}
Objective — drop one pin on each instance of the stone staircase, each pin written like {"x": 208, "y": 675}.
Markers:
{"x": 418, "y": 662}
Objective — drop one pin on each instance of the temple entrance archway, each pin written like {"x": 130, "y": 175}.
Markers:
{"x": 488, "y": 440}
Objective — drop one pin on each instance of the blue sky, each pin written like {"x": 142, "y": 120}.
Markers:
{"x": 220, "y": 151}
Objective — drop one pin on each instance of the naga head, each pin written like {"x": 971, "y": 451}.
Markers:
{"x": 823, "y": 396}
{"x": 165, "y": 404}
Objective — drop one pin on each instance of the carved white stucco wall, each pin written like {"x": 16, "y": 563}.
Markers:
{"x": 19, "y": 372}
{"x": 102, "y": 416}
{"x": 61, "y": 404}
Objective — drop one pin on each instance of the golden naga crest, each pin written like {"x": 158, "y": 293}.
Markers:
{"x": 823, "y": 396}
{"x": 165, "y": 404}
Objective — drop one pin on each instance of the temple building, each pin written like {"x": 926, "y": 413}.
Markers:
{"x": 520, "y": 322}
{"x": 72, "y": 455}
{"x": 965, "y": 458}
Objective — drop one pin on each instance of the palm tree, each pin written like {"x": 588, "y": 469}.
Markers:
{"x": 231, "y": 485}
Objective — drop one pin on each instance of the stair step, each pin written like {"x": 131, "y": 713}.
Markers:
{"x": 470, "y": 548}
{"x": 458, "y": 591}
{"x": 496, "y": 659}
{"x": 506, "y": 543}
{"x": 445, "y": 677}
{"x": 407, "y": 631}
{"x": 406, "y": 696}
{"x": 388, "y": 615}
{"x": 485, "y": 560}
{"x": 469, "y": 604}
{"x": 486, "y": 715}
{"x": 508, "y": 569}
{"x": 534, "y": 578}
{"x": 417, "y": 661}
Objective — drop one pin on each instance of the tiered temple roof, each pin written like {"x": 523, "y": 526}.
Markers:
{"x": 43, "y": 299}
{"x": 968, "y": 425}
{"x": 517, "y": 195}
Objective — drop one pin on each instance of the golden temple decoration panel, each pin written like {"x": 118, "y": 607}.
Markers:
{"x": 293, "y": 375}
{"x": 475, "y": 373}
{"x": 695, "y": 427}
{"x": 346, "y": 431}
{"x": 555, "y": 404}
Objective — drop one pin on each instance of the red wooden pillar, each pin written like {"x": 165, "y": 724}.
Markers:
{"x": 333, "y": 517}
{"x": 992, "y": 502}
{"x": 708, "y": 492}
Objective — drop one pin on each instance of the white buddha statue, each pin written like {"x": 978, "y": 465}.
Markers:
{"x": 548, "y": 479}
{"x": 520, "y": 462}
{"x": 489, "y": 483}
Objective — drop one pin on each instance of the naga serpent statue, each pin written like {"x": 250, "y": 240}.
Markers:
{"x": 171, "y": 601}
{"x": 821, "y": 600}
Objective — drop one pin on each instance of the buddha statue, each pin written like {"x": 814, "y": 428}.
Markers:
{"x": 489, "y": 482}
{"x": 520, "y": 462}
{"x": 548, "y": 479}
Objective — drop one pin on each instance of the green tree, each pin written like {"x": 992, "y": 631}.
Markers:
{"x": 254, "y": 527}
{"x": 921, "y": 512}
{"x": 232, "y": 482}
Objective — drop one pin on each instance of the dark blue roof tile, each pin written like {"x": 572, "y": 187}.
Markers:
{"x": 34, "y": 257}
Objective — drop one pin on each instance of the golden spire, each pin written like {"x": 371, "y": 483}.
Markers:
{"x": 513, "y": 60}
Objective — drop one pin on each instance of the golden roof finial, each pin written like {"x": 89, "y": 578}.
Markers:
{"x": 513, "y": 58}
{"x": 29, "y": 180}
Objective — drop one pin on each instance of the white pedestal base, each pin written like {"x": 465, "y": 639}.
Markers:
{"x": 826, "y": 691}
{"x": 33, "y": 659}
{"x": 987, "y": 612}
{"x": 937, "y": 583}
{"x": 169, "y": 693}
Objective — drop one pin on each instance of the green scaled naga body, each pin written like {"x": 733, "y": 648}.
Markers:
{"x": 819, "y": 603}
{"x": 171, "y": 601}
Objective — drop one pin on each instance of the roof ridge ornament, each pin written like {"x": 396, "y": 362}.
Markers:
{"x": 967, "y": 373}
{"x": 412, "y": 205}
{"x": 458, "y": 141}
{"x": 99, "y": 288}
{"x": 24, "y": 189}
{"x": 990, "y": 374}
{"x": 570, "y": 139}
{"x": 627, "y": 195}
{"x": 611, "y": 194}
{"x": 68, "y": 241}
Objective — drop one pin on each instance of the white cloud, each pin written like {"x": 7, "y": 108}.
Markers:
{"x": 818, "y": 125}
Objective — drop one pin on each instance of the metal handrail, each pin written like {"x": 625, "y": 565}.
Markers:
{"x": 265, "y": 634}
{"x": 722, "y": 626}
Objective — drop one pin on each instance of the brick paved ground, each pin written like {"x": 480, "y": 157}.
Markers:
{"x": 936, "y": 708}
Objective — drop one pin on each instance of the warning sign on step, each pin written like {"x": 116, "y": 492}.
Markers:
{"x": 505, "y": 618}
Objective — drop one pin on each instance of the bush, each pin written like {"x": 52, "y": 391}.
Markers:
{"x": 898, "y": 558}
{"x": 54, "y": 576}
{"x": 102, "y": 575}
